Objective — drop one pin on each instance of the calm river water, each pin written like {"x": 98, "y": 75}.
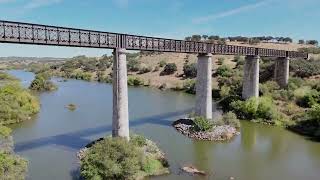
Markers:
{"x": 50, "y": 142}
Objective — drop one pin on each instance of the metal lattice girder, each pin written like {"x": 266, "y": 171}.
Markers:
{"x": 26, "y": 33}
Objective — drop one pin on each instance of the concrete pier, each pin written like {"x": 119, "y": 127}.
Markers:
{"x": 251, "y": 77}
{"x": 281, "y": 71}
{"x": 120, "y": 116}
{"x": 203, "y": 86}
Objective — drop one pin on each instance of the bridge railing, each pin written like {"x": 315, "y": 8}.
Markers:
{"x": 27, "y": 33}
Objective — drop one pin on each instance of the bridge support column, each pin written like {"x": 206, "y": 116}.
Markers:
{"x": 251, "y": 77}
{"x": 120, "y": 116}
{"x": 203, "y": 86}
{"x": 281, "y": 72}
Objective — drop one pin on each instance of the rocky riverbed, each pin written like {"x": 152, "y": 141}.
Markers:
{"x": 218, "y": 133}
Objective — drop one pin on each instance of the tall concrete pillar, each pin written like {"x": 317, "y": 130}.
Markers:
{"x": 251, "y": 77}
{"x": 203, "y": 86}
{"x": 120, "y": 116}
{"x": 281, "y": 71}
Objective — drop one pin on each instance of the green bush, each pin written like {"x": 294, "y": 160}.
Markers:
{"x": 112, "y": 158}
{"x": 202, "y": 124}
{"x": 309, "y": 99}
{"x": 133, "y": 65}
{"x": 268, "y": 88}
{"x": 12, "y": 167}
{"x": 170, "y": 68}
{"x": 189, "y": 86}
{"x": 117, "y": 158}
{"x": 135, "y": 81}
{"x": 314, "y": 113}
{"x": 231, "y": 119}
{"x": 138, "y": 140}
{"x": 16, "y": 104}
{"x": 190, "y": 70}
{"x": 151, "y": 165}
{"x": 224, "y": 71}
{"x": 144, "y": 70}
{"x": 305, "y": 68}
{"x": 256, "y": 108}
{"x": 162, "y": 63}
{"x": 4, "y": 132}
{"x": 42, "y": 83}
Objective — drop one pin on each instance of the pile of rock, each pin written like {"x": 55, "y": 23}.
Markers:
{"x": 218, "y": 133}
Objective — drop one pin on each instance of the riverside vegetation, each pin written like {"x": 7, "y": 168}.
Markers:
{"x": 16, "y": 105}
{"x": 117, "y": 158}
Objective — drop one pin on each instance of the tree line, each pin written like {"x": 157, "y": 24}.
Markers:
{"x": 250, "y": 40}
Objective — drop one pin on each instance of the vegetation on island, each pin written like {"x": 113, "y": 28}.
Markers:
{"x": 117, "y": 158}
{"x": 42, "y": 83}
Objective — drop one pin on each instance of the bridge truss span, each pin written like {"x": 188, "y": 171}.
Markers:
{"x": 26, "y": 33}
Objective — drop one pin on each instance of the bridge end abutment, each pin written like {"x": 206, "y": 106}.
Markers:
{"x": 120, "y": 116}
{"x": 251, "y": 77}
{"x": 204, "y": 86}
{"x": 281, "y": 71}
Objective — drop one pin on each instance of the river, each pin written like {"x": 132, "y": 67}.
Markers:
{"x": 51, "y": 140}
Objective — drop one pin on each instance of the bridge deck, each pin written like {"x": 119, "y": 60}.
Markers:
{"x": 27, "y": 33}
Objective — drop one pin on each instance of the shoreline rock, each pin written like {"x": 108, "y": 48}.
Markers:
{"x": 218, "y": 133}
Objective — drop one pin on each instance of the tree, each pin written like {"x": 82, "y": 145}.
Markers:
{"x": 213, "y": 37}
{"x": 196, "y": 38}
{"x": 205, "y": 37}
{"x": 301, "y": 41}
{"x": 312, "y": 42}
{"x": 187, "y": 38}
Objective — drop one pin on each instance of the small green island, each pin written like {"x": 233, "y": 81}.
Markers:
{"x": 117, "y": 158}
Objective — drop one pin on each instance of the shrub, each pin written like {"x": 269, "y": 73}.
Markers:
{"x": 202, "y": 124}
{"x": 190, "y": 86}
{"x": 16, "y": 104}
{"x": 303, "y": 68}
{"x": 135, "y": 81}
{"x": 231, "y": 119}
{"x": 309, "y": 99}
{"x": 112, "y": 158}
{"x": 4, "y": 132}
{"x": 133, "y": 65}
{"x": 42, "y": 83}
{"x": 170, "y": 68}
{"x": 224, "y": 91}
{"x": 145, "y": 70}
{"x": 269, "y": 87}
{"x": 138, "y": 140}
{"x": 151, "y": 165}
{"x": 162, "y": 63}
{"x": 314, "y": 113}
{"x": 256, "y": 108}
{"x": 190, "y": 70}
{"x": 12, "y": 167}
{"x": 224, "y": 71}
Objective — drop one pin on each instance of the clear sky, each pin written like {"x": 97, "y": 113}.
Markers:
{"x": 298, "y": 19}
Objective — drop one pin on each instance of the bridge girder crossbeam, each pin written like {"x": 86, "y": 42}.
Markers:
{"x": 27, "y": 33}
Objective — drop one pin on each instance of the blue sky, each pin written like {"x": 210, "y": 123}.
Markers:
{"x": 165, "y": 18}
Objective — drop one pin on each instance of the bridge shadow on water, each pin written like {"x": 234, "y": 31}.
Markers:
{"x": 76, "y": 140}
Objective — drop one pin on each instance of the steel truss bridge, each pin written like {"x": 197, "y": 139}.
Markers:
{"x": 37, "y": 34}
